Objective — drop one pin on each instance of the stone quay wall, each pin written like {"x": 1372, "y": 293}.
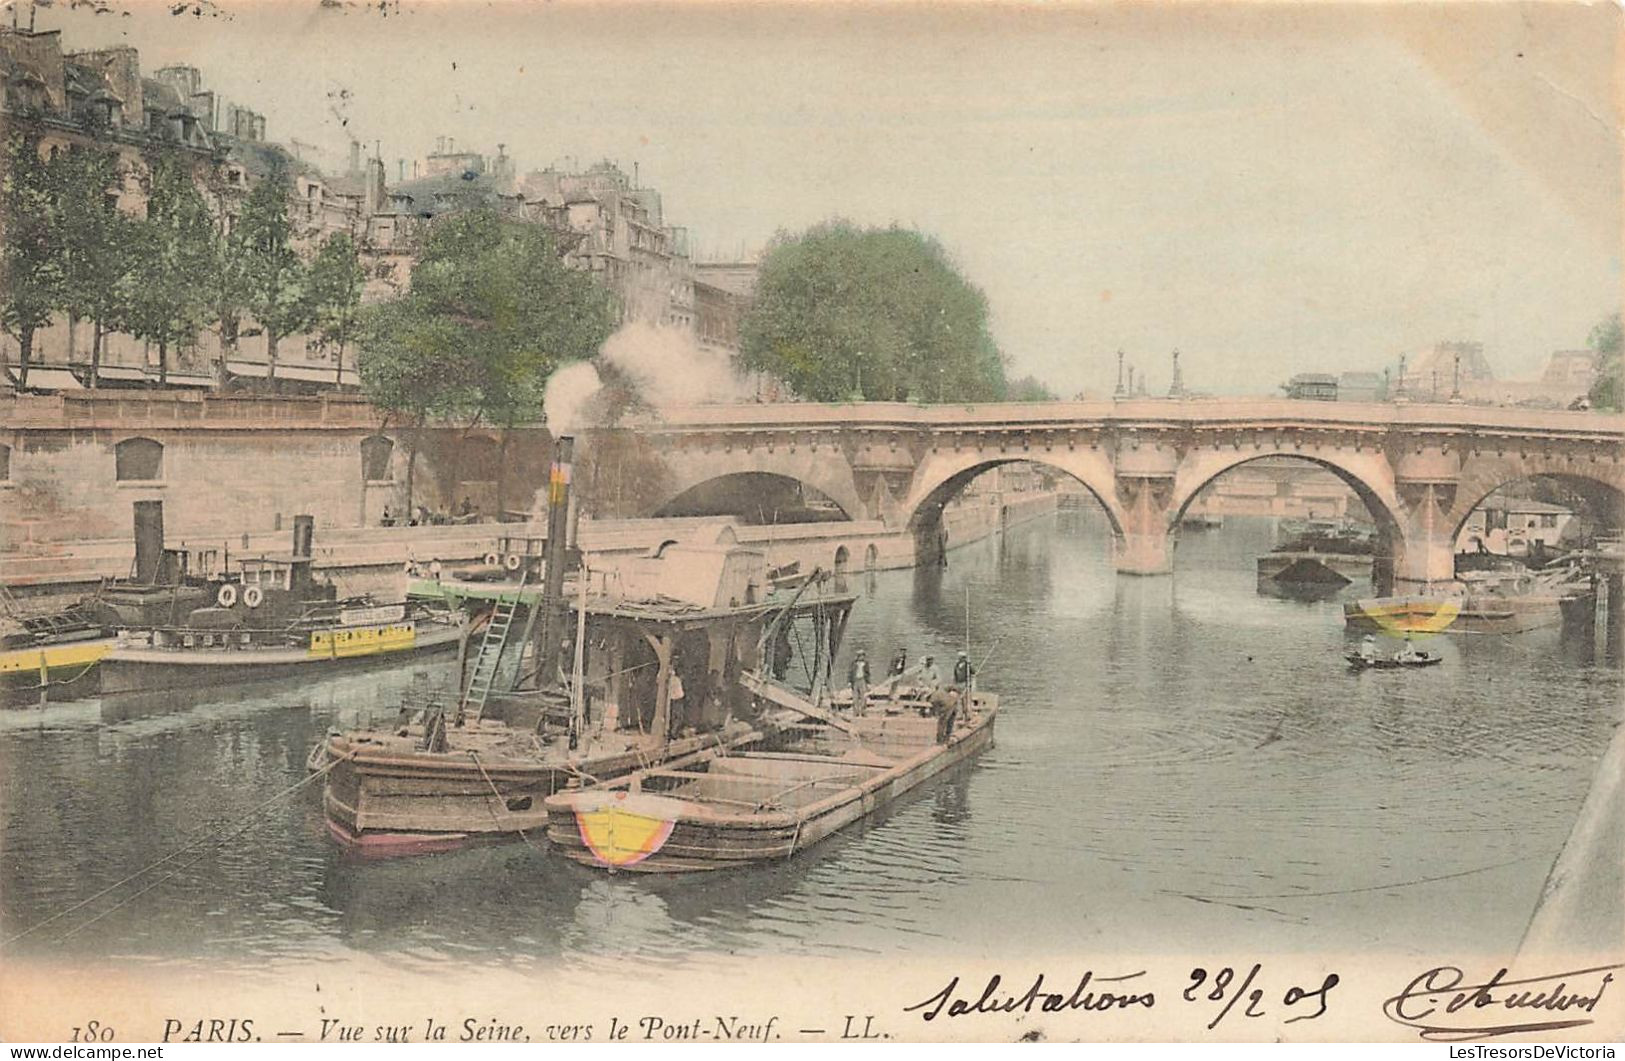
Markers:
{"x": 73, "y": 464}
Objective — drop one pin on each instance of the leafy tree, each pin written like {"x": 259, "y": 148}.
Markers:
{"x": 413, "y": 367}
{"x": 871, "y": 314}
{"x": 1608, "y": 390}
{"x": 275, "y": 280}
{"x": 226, "y": 288}
{"x": 167, "y": 302}
{"x": 30, "y": 263}
{"x": 96, "y": 244}
{"x": 335, "y": 282}
{"x": 508, "y": 312}
{"x": 1029, "y": 389}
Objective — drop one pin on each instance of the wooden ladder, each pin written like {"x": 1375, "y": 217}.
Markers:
{"x": 484, "y": 675}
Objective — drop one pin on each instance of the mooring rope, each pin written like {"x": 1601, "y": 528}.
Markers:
{"x": 251, "y": 818}
{"x": 474, "y": 755}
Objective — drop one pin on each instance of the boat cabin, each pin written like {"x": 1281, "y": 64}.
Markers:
{"x": 668, "y": 634}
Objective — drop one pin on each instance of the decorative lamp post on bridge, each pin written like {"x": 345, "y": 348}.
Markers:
{"x": 1176, "y": 389}
{"x": 1118, "y": 393}
{"x": 1455, "y": 387}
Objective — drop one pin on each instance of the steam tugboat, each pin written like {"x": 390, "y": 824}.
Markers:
{"x": 56, "y": 654}
{"x": 657, "y": 648}
{"x": 273, "y": 618}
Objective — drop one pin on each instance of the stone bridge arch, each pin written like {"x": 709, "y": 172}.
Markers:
{"x": 822, "y": 468}
{"x": 1600, "y": 480}
{"x": 1365, "y": 471}
{"x": 943, "y": 475}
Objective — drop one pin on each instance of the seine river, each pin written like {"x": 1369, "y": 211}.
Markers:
{"x": 1178, "y": 761}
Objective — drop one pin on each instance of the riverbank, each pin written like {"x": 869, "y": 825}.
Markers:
{"x": 371, "y": 559}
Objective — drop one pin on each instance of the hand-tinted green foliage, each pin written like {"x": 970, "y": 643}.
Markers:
{"x": 1029, "y": 389}
{"x": 1608, "y": 390}
{"x": 335, "y": 281}
{"x": 273, "y": 273}
{"x": 876, "y": 314}
{"x": 492, "y": 305}
{"x": 30, "y": 263}
{"x": 165, "y": 301}
{"x": 94, "y": 237}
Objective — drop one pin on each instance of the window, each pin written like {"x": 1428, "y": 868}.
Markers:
{"x": 5, "y": 464}
{"x": 376, "y": 451}
{"x": 139, "y": 460}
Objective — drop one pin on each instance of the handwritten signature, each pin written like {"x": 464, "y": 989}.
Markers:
{"x": 1444, "y": 1008}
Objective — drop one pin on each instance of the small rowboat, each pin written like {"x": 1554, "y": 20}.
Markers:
{"x": 1421, "y": 659}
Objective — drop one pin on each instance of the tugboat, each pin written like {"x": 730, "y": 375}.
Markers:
{"x": 273, "y": 618}
{"x": 48, "y": 654}
{"x": 657, "y": 647}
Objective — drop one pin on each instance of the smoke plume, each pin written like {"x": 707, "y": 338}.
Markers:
{"x": 663, "y": 367}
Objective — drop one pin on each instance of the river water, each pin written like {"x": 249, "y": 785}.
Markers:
{"x": 1178, "y": 760}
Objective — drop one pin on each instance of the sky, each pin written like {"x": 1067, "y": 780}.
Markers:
{"x": 1269, "y": 189}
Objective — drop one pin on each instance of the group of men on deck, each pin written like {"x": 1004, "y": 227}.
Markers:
{"x": 944, "y": 699}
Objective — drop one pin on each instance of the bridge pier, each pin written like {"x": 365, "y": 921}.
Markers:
{"x": 1145, "y": 554}
{"x": 1426, "y": 479}
{"x": 1146, "y": 544}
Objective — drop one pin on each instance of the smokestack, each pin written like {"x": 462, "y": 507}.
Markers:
{"x": 304, "y": 536}
{"x": 555, "y": 558}
{"x": 149, "y": 541}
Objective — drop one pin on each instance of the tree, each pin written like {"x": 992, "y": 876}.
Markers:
{"x": 1028, "y": 389}
{"x": 335, "y": 282}
{"x": 274, "y": 277}
{"x": 1608, "y": 389}
{"x": 226, "y": 288}
{"x": 95, "y": 240}
{"x": 167, "y": 301}
{"x": 872, "y": 314}
{"x": 412, "y": 366}
{"x": 30, "y": 263}
{"x": 508, "y": 311}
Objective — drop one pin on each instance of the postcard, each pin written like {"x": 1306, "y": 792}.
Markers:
{"x": 606, "y": 521}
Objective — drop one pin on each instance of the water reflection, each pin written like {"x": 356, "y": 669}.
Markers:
{"x": 1178, "y": 760}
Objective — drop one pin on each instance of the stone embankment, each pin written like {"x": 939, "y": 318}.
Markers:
{"x": 371, "y": 559}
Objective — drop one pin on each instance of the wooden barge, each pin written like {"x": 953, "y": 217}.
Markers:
{"x": 770, "y": 800}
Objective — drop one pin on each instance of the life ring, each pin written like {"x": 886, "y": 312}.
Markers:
{"x": 513, "y": 562}
{"x": 492, "y": 559}
{"x": 227, "y": 596}
{"x": 253, "y": 596}
{"x": 434, "y": 568}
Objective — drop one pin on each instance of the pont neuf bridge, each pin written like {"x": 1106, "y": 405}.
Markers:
{"x": 70, "y": 464}
{"x": 1419, "y": 468}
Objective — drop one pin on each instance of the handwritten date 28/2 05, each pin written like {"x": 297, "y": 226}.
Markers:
{"x": 1246, "y": 994}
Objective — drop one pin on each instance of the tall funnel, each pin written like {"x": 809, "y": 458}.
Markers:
{"x": 149, "y": 541}
{"x": 304, "y": 538}
{"x": 554, "y": 556}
